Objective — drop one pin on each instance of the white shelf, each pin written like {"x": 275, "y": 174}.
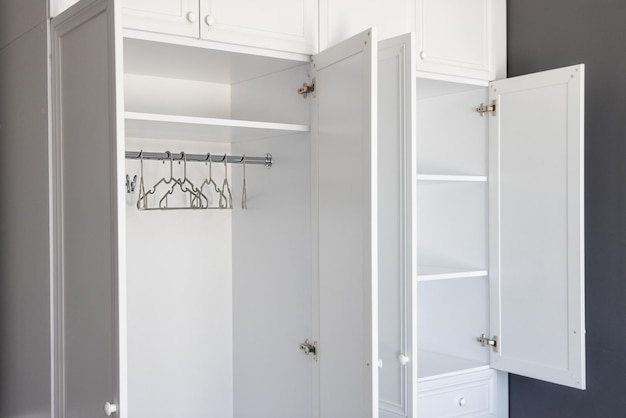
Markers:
{"x": 432, "y": 365}
{"x": 451, "y": 178}
{"x": 172, "y": 127}
{"x": 427, "y": 273}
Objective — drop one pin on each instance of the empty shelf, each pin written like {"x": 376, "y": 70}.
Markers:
{"x": 446, "y": 177}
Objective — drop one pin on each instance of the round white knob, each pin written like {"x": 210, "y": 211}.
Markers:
{"x": 191, "y": 17}
{"x": 210, "y": 20}
{"x": 462, "y": 401}
{"x": 380, "y": 363}
{"x": 423, "y": 55}
{"x": 110, "y": 409}
{"x": 403, "y": 359}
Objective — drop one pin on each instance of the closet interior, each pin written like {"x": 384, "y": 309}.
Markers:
{"x": 218, "y": 300}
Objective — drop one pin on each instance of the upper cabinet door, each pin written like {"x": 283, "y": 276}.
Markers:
{"x": 87, "y": 231}
{"x": 396, "y": 226}
{"x": 176, "y": 17}
{"x": 464, "y": 38}
{"x": 344, "y": 213}
{"x": 286, "y": 25}
{"x": 536, "y": 222}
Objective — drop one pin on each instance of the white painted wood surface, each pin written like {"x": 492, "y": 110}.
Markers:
{"x": 283, "y": 25}
{"x": 462, "y": 38}
{"x": 345, "y": 228}
{"x": 396, "y": 192}
{"x": 176, "y": 17}
{"x": 537, "y": 225}
{"x": 89, "y": 248}
{"x": 340, "y": 19}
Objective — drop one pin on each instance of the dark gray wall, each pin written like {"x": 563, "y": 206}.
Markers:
{"x": 547, "y": 34}
{"x": 25, "y": 372}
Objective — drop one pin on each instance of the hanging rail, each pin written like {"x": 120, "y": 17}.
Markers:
{"x": 215, "y": 158}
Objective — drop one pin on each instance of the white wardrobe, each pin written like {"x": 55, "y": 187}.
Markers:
{"x": 395, "y": 226}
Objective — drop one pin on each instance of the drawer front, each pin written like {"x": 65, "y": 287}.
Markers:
{"x": 454, "y": 397}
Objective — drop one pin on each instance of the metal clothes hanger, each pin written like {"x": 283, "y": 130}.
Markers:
{"x": 197, "y": 200}
{"x": 227, "y": 201}
{"x": 210, "y": 182}
{"x": 244, "y": 196}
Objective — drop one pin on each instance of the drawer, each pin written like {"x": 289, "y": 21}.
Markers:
{"x": 469, "y": 395}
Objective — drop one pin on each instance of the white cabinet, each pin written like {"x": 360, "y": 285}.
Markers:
{"x": 500, "y": 254}
{"x": 192, "y": 313}
{"x": 464, "y": 38}
{"x": 391, "y": 257}
{"x": 480, "y": 233}
{"x": 285, "y": 25}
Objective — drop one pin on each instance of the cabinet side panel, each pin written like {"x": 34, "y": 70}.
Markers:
{"x": 25, "y": 250}
{"x": 84, "y": 163}
{"x": 272, "y": 281}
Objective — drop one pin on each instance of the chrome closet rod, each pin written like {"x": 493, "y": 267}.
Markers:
{"x": 215, "y": 158}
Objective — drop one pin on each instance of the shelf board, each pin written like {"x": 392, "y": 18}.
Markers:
{"x": 432, "y": 365}
{"x": 172, "y": 127}
{"x": 451, "y": 178}
{"x": 428, "y": 273}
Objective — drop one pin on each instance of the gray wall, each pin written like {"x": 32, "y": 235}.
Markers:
{"x": 546, "y": 34}
{"x": 24, "y": 232}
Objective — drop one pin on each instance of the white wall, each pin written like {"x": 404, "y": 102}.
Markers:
{"x": 24, "y": 227}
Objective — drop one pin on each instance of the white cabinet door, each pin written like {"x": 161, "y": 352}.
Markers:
{"x": 176, "y": 17}
{"x": 396, "y": 227}
{"x": 287, "y": 25}
{"x": 537, "y": 226}
{"x": 88, "y": 236}
{"x": 344, "y": 179}
{"x": 465, "y": 38}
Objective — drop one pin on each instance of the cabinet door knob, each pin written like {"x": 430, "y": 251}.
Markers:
{"x": 110, "y": 409}
{"x": 423, "y": 55}
{"x": 380, "y": 363}
{"x": 462, "y": 401}
{"x": 191, "y": 17}
{"x": 403, "y": 359}
{"x": 210, "y": 20}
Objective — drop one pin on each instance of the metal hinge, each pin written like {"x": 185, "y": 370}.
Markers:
{"x": 486, "y": 341}
{"x": 483, "y": 108}
{"x": 307, "y": 88}
{"x": 309, "y": 348}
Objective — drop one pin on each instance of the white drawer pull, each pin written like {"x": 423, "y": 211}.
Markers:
{"x": 462, "y": 401}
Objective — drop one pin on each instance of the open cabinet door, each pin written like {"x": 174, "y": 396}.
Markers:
{"x": 536, "y": 224}
{"x": 87, "y": 236}
{"x": 344, "y": 183}
{"x": 397, "y": 343}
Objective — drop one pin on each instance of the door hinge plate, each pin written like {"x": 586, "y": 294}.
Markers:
{"x": 307, "y": 88}
{"x": 483, "y": 108}
{"x": 309, "y": 348}
{"x": 488, "y": 342}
